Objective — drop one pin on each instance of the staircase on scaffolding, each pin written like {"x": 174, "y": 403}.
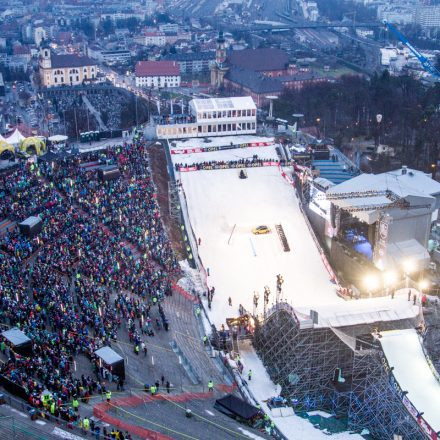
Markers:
{"x": 283, "y": 238}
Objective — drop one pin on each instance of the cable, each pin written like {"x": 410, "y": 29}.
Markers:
{"x": 154, "y": 423}
{"x": 209, "y": 421}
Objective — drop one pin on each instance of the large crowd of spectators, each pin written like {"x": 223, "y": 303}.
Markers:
{"x": 101, "y": 259}
{"x": 225, "y": 164}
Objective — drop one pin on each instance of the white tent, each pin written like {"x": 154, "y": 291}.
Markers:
{"x": 15, "y": 138}
{"x": 58, "y": 138}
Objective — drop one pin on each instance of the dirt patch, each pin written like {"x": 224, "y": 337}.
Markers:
{"x": 158, "y": 162}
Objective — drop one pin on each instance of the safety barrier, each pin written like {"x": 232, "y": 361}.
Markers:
{"x": 228, "y": 166}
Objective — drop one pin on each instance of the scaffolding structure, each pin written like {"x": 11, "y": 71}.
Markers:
{"x": 338, "y": 370}
{"x": 374, "y": 401}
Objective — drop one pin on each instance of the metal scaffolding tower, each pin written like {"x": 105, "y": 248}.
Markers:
{"x": 374, "y": 402}
{"x": 338, "y": 370}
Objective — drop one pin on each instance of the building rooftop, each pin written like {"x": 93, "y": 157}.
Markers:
{"x": 254, "y": 81}
{"x": 70, "y": 60}
{"x": 191, "y": 56}
{"x": 260, "y": 60}
{"x": 400, "y": 190}
{"x": 157, "y": 68}
{"x": 236, "y": 102}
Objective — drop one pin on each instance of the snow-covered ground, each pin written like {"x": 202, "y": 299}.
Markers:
{"x": 404, "y": 352}
{"x": 262, "y": 388}
{"x": 223, "y": 210}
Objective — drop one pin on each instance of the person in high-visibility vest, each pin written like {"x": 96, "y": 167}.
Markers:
{"x": 154, "y": 300}
{"x": 249, "y": 374}
{"x": 86, "y": 424}
{"x": 198, "y": 311}
{"x": 205, "y": 340}
{"x": 108, "y": 395}
{"x": 210, "y": 385}
{"x": 136, "y": 349}
{"x": 75, "y": 404}
{"x": 153, "y": 390}
{"x": 52, "y": 408}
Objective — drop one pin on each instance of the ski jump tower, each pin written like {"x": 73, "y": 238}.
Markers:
{"x": 337, "y": 365}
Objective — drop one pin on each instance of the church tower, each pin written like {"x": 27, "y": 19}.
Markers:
{"x": 45, "y": 61}
{"x": 219, "y": 68}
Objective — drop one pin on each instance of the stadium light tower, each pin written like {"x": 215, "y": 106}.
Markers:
{"x": 280, "y": 281}
{"x": 266, "y": 299}
{"x": 271, "y": 99}
{"x": 256, "y": 298}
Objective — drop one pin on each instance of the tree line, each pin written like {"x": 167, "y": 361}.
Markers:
{"x": 347, "y": 109}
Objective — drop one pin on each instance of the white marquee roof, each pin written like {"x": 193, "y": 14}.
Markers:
{"x": 415, "y": 187}
{"x": 15, "y": 138}
{"x": 232, "y": 103}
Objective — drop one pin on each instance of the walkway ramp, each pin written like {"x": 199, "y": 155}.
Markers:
{"x": 404, "y": 352}
{"x": 95, "y": 113}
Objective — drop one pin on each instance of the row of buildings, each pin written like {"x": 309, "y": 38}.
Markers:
{"x": 426, "y": 16}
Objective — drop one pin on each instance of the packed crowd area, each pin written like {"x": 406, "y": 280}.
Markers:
{"x": 225, "y": 164}
{"x": 101, "y": 261}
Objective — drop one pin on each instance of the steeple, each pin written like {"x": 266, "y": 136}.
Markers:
{"x": 219, "y": 68}
{"x": 45, "y": 60}
{"x": 220, "y": 53}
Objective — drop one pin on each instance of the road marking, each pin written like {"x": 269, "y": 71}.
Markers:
{"x": 40, "y": 422}
{"x": 18, "y": 412}
{"x": 210, "y": 412}
{"x": 66, "y": 435}
{"x": 250, "y": 434}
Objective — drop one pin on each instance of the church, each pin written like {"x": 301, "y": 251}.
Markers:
{"x": 65, "y": 69}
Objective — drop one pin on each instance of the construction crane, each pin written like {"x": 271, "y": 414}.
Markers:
{"x": 426, "y": 64}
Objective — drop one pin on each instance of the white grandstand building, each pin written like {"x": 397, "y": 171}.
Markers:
{"x": 211, "y": 117}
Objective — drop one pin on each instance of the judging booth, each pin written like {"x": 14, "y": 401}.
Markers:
{"x": 237, "y": 408}
{"x": 31, "y": 226}
{"x": 109, "y": 172}
{"x": 112, "y": 361}
{"x": 19, "y": 342}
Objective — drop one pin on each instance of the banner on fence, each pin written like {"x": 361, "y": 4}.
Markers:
{"x": 220, "y": 147}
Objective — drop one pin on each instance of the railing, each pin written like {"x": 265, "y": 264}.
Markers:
{"x": 23, "y": 406}
{"x": 343, "y": 158}
{"x": 10, "y": 427}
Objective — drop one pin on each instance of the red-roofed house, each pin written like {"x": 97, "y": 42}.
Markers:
{"x": 22, "y": 52}
{"x": 157, "y": 74}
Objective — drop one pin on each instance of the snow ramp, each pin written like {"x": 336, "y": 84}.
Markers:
{"x": 414, "y": 378}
